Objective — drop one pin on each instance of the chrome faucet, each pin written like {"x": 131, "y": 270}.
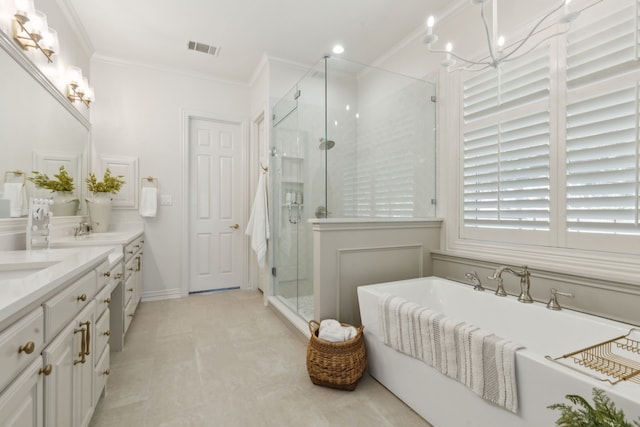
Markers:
{"x": 82, "y": 228}
{"x": 472, "y": 276}
{"x": 524, "y": 282}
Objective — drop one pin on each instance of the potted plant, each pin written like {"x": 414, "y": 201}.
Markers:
{"x": 603, "y": 412}
{"x": 65, "y": 203}
{"x": 99, "y": 204}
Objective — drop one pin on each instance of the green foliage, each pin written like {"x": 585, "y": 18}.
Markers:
{"x": 603, "y": 413}
{"x": 109, "y": 184}
{"x": 62, "y": 181}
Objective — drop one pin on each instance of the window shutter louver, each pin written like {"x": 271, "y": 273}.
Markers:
{"x": 506, "y": 164}
{"x": 602, "y": 130}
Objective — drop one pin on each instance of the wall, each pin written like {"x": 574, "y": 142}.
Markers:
{"x": 138, "y": 112}
{"x": 350, "y": 253}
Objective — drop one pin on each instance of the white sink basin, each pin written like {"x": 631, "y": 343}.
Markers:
{"x": 19, "y": 270}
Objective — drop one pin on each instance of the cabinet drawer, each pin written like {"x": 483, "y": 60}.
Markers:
{"x": 101, "y": 375}
{"x": 103, "y": 273}
{"x": 102, "y": 331}
{"x": 20, "y": 344}
{"x": 21, "y": 403}
{"x": 132, "y": 248}
{"x": 130, "y": 268}
{"x": 128, "y": 314}
{"x": 129, "y": 289}
{"x": 59, "y": 310}
{"x": 103, "y": 299}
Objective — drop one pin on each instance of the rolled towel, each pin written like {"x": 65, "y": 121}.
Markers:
{"x": 332, "y": 330}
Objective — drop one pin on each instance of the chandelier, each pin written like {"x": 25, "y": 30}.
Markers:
{"x": 498, "y": 52}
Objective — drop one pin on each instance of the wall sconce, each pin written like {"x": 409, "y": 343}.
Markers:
{"x": 30, "y": 29}
{"x": 78, "y": 88}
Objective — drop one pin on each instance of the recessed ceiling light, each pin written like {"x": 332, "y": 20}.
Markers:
{"x": 338, "y": 49}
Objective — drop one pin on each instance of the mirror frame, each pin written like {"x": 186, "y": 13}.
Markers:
{"x": 15, "y": 52}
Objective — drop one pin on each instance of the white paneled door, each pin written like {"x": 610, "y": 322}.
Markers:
{"x": 216, "y": 205}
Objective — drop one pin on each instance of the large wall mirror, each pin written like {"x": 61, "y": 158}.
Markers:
{"x": 39, "y": 128}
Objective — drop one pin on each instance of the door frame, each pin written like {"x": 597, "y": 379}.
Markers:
{"x": 186, "y": 116}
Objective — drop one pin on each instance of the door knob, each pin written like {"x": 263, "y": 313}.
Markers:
{"x": 234, "y": 226}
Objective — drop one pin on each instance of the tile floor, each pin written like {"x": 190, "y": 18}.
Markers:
{"x": 226, "y": 360}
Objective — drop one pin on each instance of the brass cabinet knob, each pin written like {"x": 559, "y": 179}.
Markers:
{"x": 107, "y": 274}
{"x": 130, "y": 315}
{"x": 130, "y": 269}
{"x": 46, "y": 371}
{"x": 234, "y": 226}
{"x": 107, "y": 333}
{"x": 118, "y": 276}
{"x": 130, "y": 289}
{"x": 107, "y": 301}
{"x": 106, "y": 372}
{"x": 129, "y": 252}
{"x": 82, "y": 297}
{"x": 28, "y": 348}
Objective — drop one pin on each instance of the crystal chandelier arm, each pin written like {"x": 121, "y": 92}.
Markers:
{"x": 559, "y": 33}
{"x": 468, "y": 61}
{"x": 486, "y": 30}
{"x": 532, "y": 32}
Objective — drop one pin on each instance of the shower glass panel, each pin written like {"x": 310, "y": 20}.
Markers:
{"x": 348, "y": 141}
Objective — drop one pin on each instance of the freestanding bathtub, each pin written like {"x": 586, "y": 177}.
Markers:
{"x": 445, "y": 402}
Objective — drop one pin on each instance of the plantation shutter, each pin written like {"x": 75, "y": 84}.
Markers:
{"x": 602, "y": 147}
{"x": 506, "y": 145}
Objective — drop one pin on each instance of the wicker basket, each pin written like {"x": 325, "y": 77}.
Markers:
{"x": 335, "y": 364}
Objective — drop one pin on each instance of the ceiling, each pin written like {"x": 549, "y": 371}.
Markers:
{"x": 301, "y": 31}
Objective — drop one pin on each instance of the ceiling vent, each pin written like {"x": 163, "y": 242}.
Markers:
{"x": 204, "y": 48}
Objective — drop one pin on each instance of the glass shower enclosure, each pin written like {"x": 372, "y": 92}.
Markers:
{"x": 347, "y": 141}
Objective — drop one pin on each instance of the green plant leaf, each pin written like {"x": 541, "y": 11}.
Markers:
{"x": 109, "y": 183}
{"x": 603, "y": 413}
{"x": 62, "y": 182}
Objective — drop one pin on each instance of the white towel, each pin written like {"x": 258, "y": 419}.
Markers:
{"x": 332, "y": 330}
{"x": 14, "y": 191}
{"x": 479, "y": 359}
{"x": 258, "y": 225}
{"x": 149, "y": 202}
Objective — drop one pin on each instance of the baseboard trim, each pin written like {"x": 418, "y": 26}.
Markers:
{"x": 160, "y": 295}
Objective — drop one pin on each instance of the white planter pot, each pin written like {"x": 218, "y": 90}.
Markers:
{"x": 65, "y": 203}
{"x": 99, "y": 211}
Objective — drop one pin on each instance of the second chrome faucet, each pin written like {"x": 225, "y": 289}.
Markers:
{"x": 525, "y": 283}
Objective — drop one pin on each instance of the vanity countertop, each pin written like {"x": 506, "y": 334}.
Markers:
{"x": 121, "y": 237}
{"x": 28, "y": 278}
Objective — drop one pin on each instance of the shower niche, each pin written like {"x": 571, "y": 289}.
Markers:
{"x": 347, "y": 141}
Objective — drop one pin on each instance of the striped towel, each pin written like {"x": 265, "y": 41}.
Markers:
{"x": 478, "y": 359}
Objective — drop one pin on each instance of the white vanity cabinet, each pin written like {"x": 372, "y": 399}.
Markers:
{"x": 132, "y": 279}
{"x": 21, "y": 404}
{"x": 69, "y": 388}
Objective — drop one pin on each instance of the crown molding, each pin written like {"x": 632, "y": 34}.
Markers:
{"x": 76, "y": 25}
{"x": 105, "y": 59}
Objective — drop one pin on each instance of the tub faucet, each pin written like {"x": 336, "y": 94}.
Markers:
{"x": 524, "y": 281}
{"x": 472, "y": 276}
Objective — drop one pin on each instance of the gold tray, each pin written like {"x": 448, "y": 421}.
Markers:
{"x": 617, "y": 359}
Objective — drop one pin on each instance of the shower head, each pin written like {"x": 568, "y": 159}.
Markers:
{"x": 326, "y": 145}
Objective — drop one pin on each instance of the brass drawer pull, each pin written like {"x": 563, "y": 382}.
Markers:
{"x": 28, "y": 348}
{"x": 107, "y": 333}
{"x": 130, "y": 289}
{"x": 130, "y": 315}
{"x": 118, "y": 275}
{"x": 46, "y": 371}
{"x": 83, "y": 345}
{"x": 130, "y": 252}
{"x": 88, "y": 345}
{"x": 107, "y": 300}
{"x": 106, "y": 372}
{"x": 82, "y": 297}
{"x": 107, "y": 274}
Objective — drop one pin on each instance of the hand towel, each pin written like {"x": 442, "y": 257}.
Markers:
{"x": 332, "y": 330}
{"x": 14, "y": 191}
{"x": 149, "y": 202}
{"x": 258, "y": 225}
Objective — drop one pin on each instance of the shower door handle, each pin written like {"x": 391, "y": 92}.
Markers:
{"x": 295, "y": 220}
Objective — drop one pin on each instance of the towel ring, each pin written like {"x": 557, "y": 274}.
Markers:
{"x": 154, "y": 181}
{"x": 15, "y": 173}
